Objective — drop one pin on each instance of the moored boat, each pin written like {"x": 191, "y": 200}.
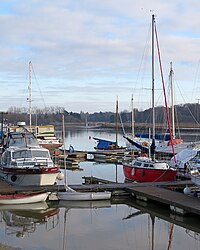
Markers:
{"x": 147, "y": 169}
{"x": 143, "y": 169}
{"x": 72, "y": 195}
{"x": 195, "y": 177}
{"x": 24, "y": 162}
{"x": 23, "y": 198}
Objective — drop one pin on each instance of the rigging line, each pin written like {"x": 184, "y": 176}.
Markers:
{"x": 177, "y": 122}
{"x": 142, "y": 65}
{"x": 120, "y": 118}
{"x": 144, "y": 53}
{"x": 38, "y": 86}
{"x": 196, "y": 78}
{"x": 166, "y": 106}
{"x": 189, "y": 109}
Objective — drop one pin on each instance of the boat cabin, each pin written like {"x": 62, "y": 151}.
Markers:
{"x": 18, "y": 139}
{"x": 26, "y": 158}
{"x": 145, "y": 162}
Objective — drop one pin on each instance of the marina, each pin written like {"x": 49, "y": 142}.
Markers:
{"x": 133, "y": 201}
{"x": 100, "y": 135}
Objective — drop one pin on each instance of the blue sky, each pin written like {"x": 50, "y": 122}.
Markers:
{"x": 86, "y": 53}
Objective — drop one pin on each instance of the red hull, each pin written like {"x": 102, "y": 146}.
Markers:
{"x": 148, "y": 175}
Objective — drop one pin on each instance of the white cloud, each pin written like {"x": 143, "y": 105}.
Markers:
{"x": 78, "y": 44}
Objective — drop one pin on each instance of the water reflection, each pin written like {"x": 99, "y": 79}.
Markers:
{"x": 22, "y": 220}
{"x": 184, "y": 227}
{"x": 116, "y": 224}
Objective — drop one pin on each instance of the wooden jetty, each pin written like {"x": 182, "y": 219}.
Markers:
{"x": 178, "y": 202}
{"x": 108, "y": 156}
{"x": 160, "y": 192}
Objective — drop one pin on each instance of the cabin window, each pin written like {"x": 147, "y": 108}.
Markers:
{"x": 6, "y": 158}
{"x": 17, "y": 142}
{"x": 31, "y": 141}
{"x": 23, "y": 140}
{"x": 146, "y": 165}
{"x": 138, "y": 164}
{"x": 151, "y": 166}
{"x": 22, "y": 154}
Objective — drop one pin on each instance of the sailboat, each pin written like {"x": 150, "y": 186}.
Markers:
{"x": 70, "y": 194}
{"x": 163, "y": 143}
{"x": 108, "y": 145}
{"x": 147, "y": 169}
{"x": 179, "y": 144}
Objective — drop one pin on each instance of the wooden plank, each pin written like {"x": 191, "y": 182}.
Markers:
{"x": 169, "y": 197}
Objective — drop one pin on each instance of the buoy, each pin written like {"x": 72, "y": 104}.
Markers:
{"x": 60, "y": 176}
{"x": 187, "y": 190}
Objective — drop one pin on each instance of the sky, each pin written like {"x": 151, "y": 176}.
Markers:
{"x": 87, "y": 53}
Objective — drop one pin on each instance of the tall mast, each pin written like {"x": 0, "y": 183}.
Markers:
{"x": 153, "y": 104}
{"x": 171, "y": 75}
{"x": 116, "y": 121}
{"x": 132, "y": 118}
{"x": 30, "y": 96}
{"x": 63, "y": 134}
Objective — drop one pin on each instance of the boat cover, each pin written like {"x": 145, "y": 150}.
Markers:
{"x": 139, "y": 146}
{"x": 104, "y": 144}
{"x": 183, "y": 157}
{"x": 160, "y": 137}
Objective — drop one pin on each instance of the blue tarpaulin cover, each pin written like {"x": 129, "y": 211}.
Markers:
{"x": 104, "y": 144}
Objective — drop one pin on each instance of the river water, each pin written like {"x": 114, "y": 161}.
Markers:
{"x": 119, "y": 224}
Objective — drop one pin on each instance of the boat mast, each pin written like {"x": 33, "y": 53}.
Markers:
{"x": 153, "y": 98}
{"x": 30, "y": 96}
{"x": 63, "y": 134}
{"x": 132, "y": 118}
{"x": 172, "y": 98}
{"x": 117, "y": 121}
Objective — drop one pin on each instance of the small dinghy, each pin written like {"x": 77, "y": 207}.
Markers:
{"x": 23, "y": 198}
{"x": 72, "y": 195}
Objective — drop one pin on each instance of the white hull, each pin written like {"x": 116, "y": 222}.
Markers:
{"x": 24, "y": 200}
{"x": 196, "y": 180}
{"x": 83, "y": 196}
{"x": 30, "y": 179}
{"x": 177, "y": 147}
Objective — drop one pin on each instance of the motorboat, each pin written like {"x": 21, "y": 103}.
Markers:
{"x": 25, "y": 163}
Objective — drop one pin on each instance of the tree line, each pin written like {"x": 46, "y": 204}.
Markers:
{"x": 185, "y": 114}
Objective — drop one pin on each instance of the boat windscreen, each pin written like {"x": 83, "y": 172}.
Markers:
{"x": 22, "y": 154}
{"x": 30, "y": 154}
{"x": 40, "y": 153}
{"x": 23, "y": 140}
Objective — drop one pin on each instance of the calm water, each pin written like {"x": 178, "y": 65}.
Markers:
{"x": 106, "y": 225}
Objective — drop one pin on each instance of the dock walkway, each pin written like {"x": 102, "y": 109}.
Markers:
{"x": 159, "y": 192}
{"x": 177, "y": 201}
